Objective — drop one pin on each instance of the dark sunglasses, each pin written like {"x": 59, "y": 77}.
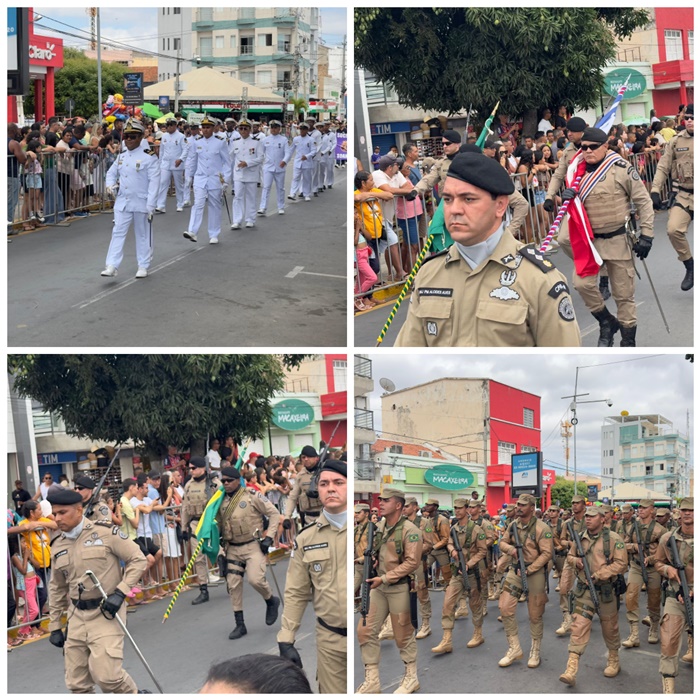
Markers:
{"x": 131, "y": 136}
{"x": 447, "y": 143}
{"x": 228, "y": 481}
{"x": 46, "y": 478}
{"x": 247, "y": 128}
{"x": 590, "y": 146}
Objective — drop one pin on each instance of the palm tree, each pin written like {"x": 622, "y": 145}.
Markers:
{"x": 300, "y": 104}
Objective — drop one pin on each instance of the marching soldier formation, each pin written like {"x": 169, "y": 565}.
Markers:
{"x": 599, "y": 563}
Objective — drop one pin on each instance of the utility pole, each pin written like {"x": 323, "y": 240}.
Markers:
{"x": 177, "y": 81}
{"x": 99, "y": 62}
{"x": 341, "y": 109}
{"x": 566, "y": 434}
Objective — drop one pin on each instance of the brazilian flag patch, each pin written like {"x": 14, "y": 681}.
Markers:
{"x": 413, "y": 538}
{"x": 619, "y": 545}
{"x": 482, "y": 536}
{"x": 548, "y": 535}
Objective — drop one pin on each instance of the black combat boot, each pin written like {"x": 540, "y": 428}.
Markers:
{"x": 273, "y": 605}
{"x": 687, "y": 282}
{"x": 604, "y": 287}
{"x": 628, "y": 335}
{"x": 609, "y": 325}
{"x": 203, "y": 596}
{"x": 240, "y": 630}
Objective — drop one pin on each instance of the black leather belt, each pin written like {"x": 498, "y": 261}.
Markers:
{"x": 314, "y": 513}
{"x": 240, "y": 544}
{"x": 685, "y": 189}
{"x": 342, "y": 631}
{"x": 619, "y": 232}
{"x": 91, "y": 604}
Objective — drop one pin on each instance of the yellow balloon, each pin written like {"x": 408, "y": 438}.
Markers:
{"x": 118, "y": 98}
{"x": 111, "y": 119}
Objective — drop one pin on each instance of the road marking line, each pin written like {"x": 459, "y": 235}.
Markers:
{"x": 594, "y": 327}
{"x": 320, "y": 274}
{"x": 123, "y": 285}
{"x": 646, "y": 653}
{"x": 294, "y": 272}
{"x": 396, "y": 681}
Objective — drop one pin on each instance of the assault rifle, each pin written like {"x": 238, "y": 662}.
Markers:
{"x": 685, "y": 590}
{"x": 367, "y": 572}
{"x": 462, "y": 564}
{"x": 312, "y": 491}
{"x": 586, "y": 568}
{"x": 90, "y": 506}
{"x": 640, "y": 548}
{"x": 520, "y": 565}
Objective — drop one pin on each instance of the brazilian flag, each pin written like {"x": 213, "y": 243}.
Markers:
{"x": 207, "y": 529}
{"x": 485, "y": 131}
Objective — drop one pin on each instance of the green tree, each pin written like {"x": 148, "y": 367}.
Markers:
{"x": 563, "y": 491}
{"x": 445, "y": 59}
{"x": 78, "y": 79}
{"x": 299, "y": 104}
{"x": 155, "y": 400}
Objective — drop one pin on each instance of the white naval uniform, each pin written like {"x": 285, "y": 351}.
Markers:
{"x": 138, "y": 175}
{"x": 208, "y": 163}
{"x": 316, "y": 137}
{"x": 330, "y": 159}
{"x": 303, "y": 169}
{"x": 274, "y": 151}
{"x": 171, "y": 150}
{"x": 245, "y": 179}
{"x": 185, "y": 153}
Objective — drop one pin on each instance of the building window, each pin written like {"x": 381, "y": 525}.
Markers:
{"x": 163, "y": 43}
{"x": 205, "y": 46}
{"x": 611, "y": 452}
{"x": 396, "y": 449}
{"x": 247, "y": 76}
{"x": 176, "y": 10}
{"x": 246, "y": 13}
{"x": 527, "y": 448}
{"x": 648, "y": 469}
{"x": 661, "y": 467}
{"x": 284, "y": 43}
{"x": 247, "y": 45}
{"x": 176, "y": 44}
{"x": 219, "y": 42}
{"x": 168, "y": 10}
{"x": 340, "y": 367}
{"x": 232, "y": 41}
{"x": 264, "y": 39}
{"x": 691, "y": 51}
{"x": 674, "y": 45}
{"x": 505, "y": 450}
{"x": 528, "y": 418}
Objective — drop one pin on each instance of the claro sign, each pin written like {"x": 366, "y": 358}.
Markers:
{"x": 45, "y": 51}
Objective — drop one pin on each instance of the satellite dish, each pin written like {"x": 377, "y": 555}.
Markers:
{"x": 387, "y": 384}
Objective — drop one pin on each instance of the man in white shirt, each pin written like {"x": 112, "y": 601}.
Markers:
{"x": 213, "y": 456}
{"x": 545, "y": 125}
{"x": 144, "y": 537}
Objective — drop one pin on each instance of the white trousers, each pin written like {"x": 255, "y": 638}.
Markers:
{"x": 201, "y": 196}
{"x": 179, "y": 177}
{"x": 330, "y": 169}
{"x": 143, "y": 233}
{"x": 302, "y": 181}
{"x": 268, "y": 178}
{"x": 316, "y": 182}
{"x": 244, "y": 202}
{"x": 321, "y": 171}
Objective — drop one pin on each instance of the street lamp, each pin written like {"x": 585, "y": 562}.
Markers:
{"x": 574, "y": 419}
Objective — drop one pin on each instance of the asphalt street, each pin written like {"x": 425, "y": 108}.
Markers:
{"x": 477, "y": 671}
{"x": 180, "y": 651}
{"x": 282, "y": 283}
{"x": 666, "y": 273}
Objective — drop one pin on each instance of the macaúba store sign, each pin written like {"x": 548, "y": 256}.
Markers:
{"x": 450, "y": 477}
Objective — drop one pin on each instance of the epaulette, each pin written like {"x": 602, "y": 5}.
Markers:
{"x": 621, "y": 163}
{"x": 536, "y": 258}
{"x": 106, "y": 523}
{"x": 198, "y": 136}
{"x": 55, "y": 538}
{"x": 445, "y": 251}
{"x": 150, "y": 152}
{"x": 257, "y": 136}
{"x": 221, "y": 138}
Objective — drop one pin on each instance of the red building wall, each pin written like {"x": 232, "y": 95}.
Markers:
{"x": 506, "y": 404}
{"x": 673, "y": 18}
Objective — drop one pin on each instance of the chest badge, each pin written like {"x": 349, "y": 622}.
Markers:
{"x": 504, "y": 293}
{"x": 508, "y": 277}
{"x": 318, "y": 568}
{"x": 431, "y": 328}
{"x": 244, "y": 504}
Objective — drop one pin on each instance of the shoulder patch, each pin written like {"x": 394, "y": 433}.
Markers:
{"x": 150, "y": 152}
{"x": 218, "y": 136}
{"x": 548, "y": 535}
{"x": 632, "y": 172}
{"x": 621, "y": 164}
{"x": 482, "y": 536}
{"x": 558, "y": 289}
{"x": 536, "y": 258}
{"x": 566, "y": 309}
{"x": 413, "y": 537}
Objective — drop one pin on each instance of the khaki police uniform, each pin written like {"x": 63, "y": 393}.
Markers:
{"x": 194, "y": 502}
{"x": 437, "y": 534}
{"x": 310, "y": 507}
{"x": 520, "y": 210}
{"x": 360, "y": 541}
{"x": 555, "y": 184}
{"x": 650, "y": 534}
{"x": 243, "y": 554}
{"x": 536, "y": 538}
{"x": 436, "y": 176}
{"x": 318, "y": 573}
{"x": 608, "y": 208}
{"x": 677, "y": 162}
{"x": 515, "y": 298}
{"x": 568, "y": 574}
{"x": 606, "y": 563}
{"x": 100, "y": 511}
{"x": 487, "y": 568}
{"x": 392, "y": 596}
{"x": 674, "y": 616}
{"x": 473, "y": 541}
{"x": 94, "y": 646}
{"x": 421, "y": 575}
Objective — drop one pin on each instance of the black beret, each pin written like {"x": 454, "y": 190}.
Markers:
{"x": 231, "y": 472}
{"x": 690, "y": 110}
{"x": 64, "y": 497}
{"x": 335, "y": 465}
{"x": 576, "y": 124}
{"x": 595, "y": 135}
{"x": 482, "y": 172}
{"x": 85, "y": 482}
{"x": 469, "y": 148}
{"x": 452, "y": 136}
{"x": 309, "y": 451}
{"x": 198, "y": 462}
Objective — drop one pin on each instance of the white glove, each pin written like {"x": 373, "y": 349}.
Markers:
{"x": 151, "y": 212}
{"x": 111, "y": 191}
{"x": 225, "y": 188}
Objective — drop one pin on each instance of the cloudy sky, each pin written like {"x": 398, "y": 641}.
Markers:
{"x": 646, "y": 384}
{"x": 138, "y": 26}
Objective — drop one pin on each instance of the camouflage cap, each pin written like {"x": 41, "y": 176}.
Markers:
{"x": 578, "y": 498}
{"x": 687, "y": 503}
{"x": 359, "y": 507}
{"x": 595, "y": 510}
{"x": 606, "y": 508}
{"x": 553, "y": 508}
{"x": 646, "y": 503}
{"x": 663, "y": 511}
{"x": 474, "y": 502}
{"x": 510, "y": 507}
{"x": 460, "y": 502}
{"x": 526, "y": 499}
{"x": 432, "y": 502}
{"x": 626, "y": 508}
{"x": 411, "y": 501}
{"x": 393, "y": 493}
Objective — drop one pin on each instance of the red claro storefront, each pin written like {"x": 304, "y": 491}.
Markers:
{"x": 45, "y": 56}
{"x": 498, "y": 483}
